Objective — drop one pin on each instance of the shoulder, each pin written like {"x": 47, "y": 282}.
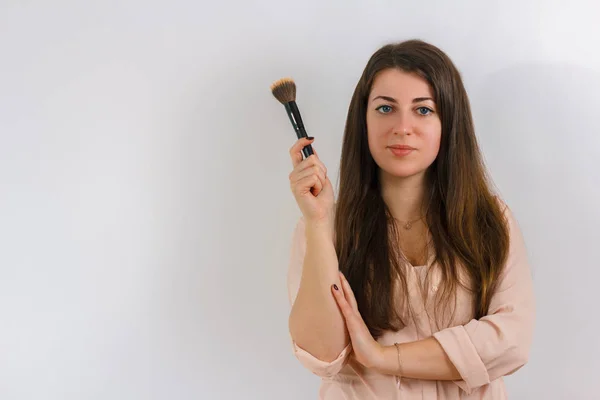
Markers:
{"x": 507, "y": 213}
{"x": 501, "y": 203}
{"x": 517, "y": 247}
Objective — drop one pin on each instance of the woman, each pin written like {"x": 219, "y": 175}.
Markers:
{"x": 415, "y": 284}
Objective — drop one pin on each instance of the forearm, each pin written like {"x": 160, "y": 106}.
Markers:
{"x": 422, "y": 359}
{"x": 316, "y": 323}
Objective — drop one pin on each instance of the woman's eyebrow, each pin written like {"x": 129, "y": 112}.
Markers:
{"x": 392, "y": 100}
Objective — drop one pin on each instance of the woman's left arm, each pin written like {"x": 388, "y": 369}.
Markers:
{"x": 422, "y": 359}
{"x": 472, "y": 355}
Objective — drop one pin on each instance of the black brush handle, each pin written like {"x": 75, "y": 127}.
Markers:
{"x": 292, "y": 111}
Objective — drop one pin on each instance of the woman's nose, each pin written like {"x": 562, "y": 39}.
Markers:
{"x": 402, "y": 130}
{"x": 402, "y": 125}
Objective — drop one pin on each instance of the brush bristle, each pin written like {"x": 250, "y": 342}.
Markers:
{"x": 284, "y": 90}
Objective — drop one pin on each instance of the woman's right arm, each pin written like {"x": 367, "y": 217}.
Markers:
{"x": 316, "y": 324}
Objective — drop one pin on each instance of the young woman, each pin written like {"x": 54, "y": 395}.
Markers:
{"x": 415, "y": 284}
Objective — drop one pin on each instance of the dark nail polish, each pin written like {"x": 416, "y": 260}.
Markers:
{"x": 335, "y": 286}
{"x": 310, "y": 137}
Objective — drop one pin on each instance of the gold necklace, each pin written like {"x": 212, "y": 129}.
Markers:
{"x": 408, "y": 225}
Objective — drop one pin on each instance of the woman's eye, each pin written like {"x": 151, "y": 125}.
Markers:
{"x": 384, "y": 109}
{"x": 424, "y": 110}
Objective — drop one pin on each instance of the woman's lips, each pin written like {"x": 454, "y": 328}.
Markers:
{"x": 401, "y": 150}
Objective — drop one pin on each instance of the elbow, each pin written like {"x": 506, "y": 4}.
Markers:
{"x": 316, "y": 340}
{"x": 517, "y": 359}
{"x": 518, "y": 354}
{"x": 313, "y": 354}
{"x": 517, "y": 346}
{"x": 308, "y": 341}
{"x": 324, "y": 367}
{"x": 314, "y": 346}
{"x": 512, "y": 359}
{"x": 523, "y": 355}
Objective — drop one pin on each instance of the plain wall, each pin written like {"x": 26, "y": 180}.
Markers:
{"x": 145, "y": 210}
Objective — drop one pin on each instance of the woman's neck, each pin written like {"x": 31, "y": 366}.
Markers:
{"x": 404, "y": 196}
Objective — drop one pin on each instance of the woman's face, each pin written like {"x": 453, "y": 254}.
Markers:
{"x": 401, "y": 112}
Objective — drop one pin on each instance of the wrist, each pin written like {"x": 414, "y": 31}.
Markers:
{"x": 319, "y": 226}
{"x": 388, "y": 362}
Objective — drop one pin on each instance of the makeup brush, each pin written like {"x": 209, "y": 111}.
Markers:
{"x": 284, "y": 90}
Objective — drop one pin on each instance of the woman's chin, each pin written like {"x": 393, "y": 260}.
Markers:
{"x": 403, "y": 172}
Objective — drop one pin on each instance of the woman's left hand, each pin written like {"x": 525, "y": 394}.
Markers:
{"x": 367, "y": 350}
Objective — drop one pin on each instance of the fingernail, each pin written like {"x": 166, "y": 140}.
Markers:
{"x": 310, "y": 137}
{"x": 335, "y": 286}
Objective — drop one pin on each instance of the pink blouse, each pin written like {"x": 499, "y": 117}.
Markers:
{"x": 483, "y": 351}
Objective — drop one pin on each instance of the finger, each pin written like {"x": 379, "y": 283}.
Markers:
{"x": 311, "y": 161}
{"x": 320, "y": 163}
{"x": 354, "y": 322}
{"x": 316, "y": 154}
{"x": 308, "y": 184}
{"x": 348, "y": 292}
{"x": 345, "y": 307}
{"x": 315, "y": 190}
{"x": 296, "y": 177}
{"x": 318, "y": 160}
{"x": 296, "y": 150}
{"x": 312, "y": 170}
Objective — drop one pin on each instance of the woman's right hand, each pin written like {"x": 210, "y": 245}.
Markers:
{"x": 310, "y": 185}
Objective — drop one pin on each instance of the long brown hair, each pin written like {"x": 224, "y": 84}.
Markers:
{"x": 466, "y": 222}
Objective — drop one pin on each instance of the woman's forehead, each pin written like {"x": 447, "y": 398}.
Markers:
{"x": 400, "y": 85}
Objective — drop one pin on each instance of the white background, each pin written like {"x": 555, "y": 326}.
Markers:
{"x": 145, "y": 212}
